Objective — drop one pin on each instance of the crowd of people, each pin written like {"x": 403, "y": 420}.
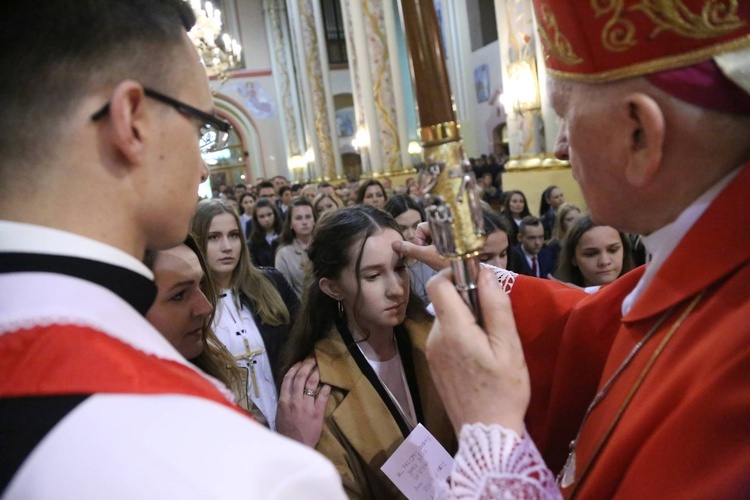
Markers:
{"x": 275, "y": 341}
{"x": 516, "y": 239}
{"x": 362, "y": 323}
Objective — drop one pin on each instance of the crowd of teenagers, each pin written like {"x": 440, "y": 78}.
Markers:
{"x": 544, "y": 246}
{"x": 275, "y": 341}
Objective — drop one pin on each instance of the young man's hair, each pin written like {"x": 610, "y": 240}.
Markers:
{"x": 56, "y": 52}
{"x": 284, "y": 189}
{"x": 265, "y": 184}
{"x": 527, "y": 221}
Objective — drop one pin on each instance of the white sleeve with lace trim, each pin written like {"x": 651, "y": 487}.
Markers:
{"x": 494, "y": 462}
{"x": 504, "y": 277}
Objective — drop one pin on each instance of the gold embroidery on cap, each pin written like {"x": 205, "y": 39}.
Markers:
{"x": 654, "y": 65}
{"x": 561, "y": 47}
{"x": 717, "y": 17}
{"x": 618, "y": 33}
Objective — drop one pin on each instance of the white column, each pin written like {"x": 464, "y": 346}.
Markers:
{"x": 519, "y": 42}
{"x": 372, "y": 44}
{"x": 311, "y": 61}
{"x": 358, "y": 98}
{"x": 282, "y": 65}
{"x": 458, "y": 57}
{"x": 397, "y": 46}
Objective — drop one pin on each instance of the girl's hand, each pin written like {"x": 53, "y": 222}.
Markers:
{"x": 302, "y": 403}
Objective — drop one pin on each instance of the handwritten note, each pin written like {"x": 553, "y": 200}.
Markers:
{"x": 418, "y": 465}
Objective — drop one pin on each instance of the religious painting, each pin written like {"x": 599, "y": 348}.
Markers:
{"x": 345, "y": 122}
{"x": 254, "y": 98}
{"x": 482, "y": 83}
{"x": 218, "y": 178}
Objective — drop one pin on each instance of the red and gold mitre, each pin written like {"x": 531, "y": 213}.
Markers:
{"x": 606, "y": 40}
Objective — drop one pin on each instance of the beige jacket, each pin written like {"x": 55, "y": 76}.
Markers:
{"x": 291, "y": 261}
{"x": 359, "y": 433}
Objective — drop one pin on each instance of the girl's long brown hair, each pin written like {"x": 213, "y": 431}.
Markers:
{"x": 246, "y": 278}
{"x": 569, "y": 273}
{"x": 339, "y": 237}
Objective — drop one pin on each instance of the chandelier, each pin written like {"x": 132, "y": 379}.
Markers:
{"x": 219, "y": 52}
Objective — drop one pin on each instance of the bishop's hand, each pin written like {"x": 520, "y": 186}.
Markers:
{"x": 422, "y": 249}
{"x": 481, "y": 373}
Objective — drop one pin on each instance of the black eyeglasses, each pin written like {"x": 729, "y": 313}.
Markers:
{"x": 214, "y": 131}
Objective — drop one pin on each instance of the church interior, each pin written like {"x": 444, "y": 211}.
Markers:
{"x": 323, "y": 90}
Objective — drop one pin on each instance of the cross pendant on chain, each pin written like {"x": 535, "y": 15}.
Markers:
{"x": 249, "y": 355}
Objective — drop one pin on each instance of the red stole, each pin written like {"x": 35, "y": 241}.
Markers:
{"x": 71, "y": 359}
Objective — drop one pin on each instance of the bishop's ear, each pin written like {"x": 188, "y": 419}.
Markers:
{"x": 330, "y": 288}
{"x": 645, "y": 126}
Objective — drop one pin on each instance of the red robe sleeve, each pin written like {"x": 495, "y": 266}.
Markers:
{"x": 566, "y": 341}
{"x": 541, "y": 309}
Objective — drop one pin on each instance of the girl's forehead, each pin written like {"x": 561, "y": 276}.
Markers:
{"x": 223, "y": 220}
{"x": 378, "y": 247}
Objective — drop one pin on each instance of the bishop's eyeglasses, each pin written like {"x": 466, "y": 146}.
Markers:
{"x": 214, "y": 131}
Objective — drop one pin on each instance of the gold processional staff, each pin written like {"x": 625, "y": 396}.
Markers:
{"x": 447, "y": 181}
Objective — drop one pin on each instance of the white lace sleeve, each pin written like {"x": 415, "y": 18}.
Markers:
{"x": 494, "y": 462}
{"x": 504, "y": 277}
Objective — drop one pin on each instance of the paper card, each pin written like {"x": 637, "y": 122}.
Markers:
{"x": 418, "y": 465}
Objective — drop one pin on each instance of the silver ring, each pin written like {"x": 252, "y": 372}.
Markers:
{"x": 308, "y": 392}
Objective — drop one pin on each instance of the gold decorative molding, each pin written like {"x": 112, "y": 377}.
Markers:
{"x": 535, "y": 162}
{"x": 404, "y": 170}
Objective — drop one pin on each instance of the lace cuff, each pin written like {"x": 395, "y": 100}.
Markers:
{"x": 504, "y": 277}
{"x": 494, "y": 462}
